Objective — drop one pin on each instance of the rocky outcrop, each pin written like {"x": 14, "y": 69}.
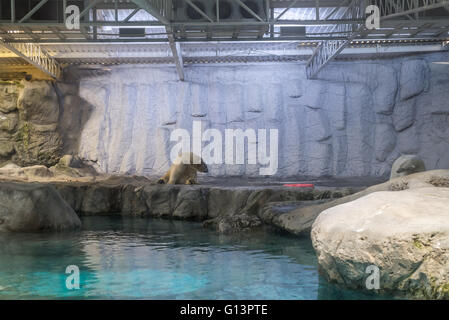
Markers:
{"x": 37, "y": 140}
{"x": 39, "y": 121}
{"x": 414, "y": 78}
{"x": 29, "y": 117}
{"x": 299, "y": 220}
{"x": 224, "y": 208}
{"x": 8, "y": 98}
{"x": 67, "y": 168}
{"x": 34, "y": 207}
{"x": 294, "y": 217}
{"x": 405, "y": 234}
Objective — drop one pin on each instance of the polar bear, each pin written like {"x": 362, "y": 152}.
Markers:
{"x": 405, "y": 165}
{"x": 184, "y": 172}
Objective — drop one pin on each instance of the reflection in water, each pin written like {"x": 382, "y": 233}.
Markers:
{"x": 160, "y": 259}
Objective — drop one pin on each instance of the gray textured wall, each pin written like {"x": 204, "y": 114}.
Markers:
{"x": 354, "y": 121}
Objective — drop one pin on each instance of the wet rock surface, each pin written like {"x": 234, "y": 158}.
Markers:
{"x": 34, "y": 207}
{"x": 222, "y": 207}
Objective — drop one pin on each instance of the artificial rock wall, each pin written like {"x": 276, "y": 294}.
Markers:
{"x": 355, "y": 120}
{"x": 39, "y": 121}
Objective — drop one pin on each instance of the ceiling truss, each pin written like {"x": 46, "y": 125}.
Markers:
{"x": 389, "y": 9}
{"x": 331, "y": 25}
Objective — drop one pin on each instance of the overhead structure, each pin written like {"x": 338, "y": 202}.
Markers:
{"x": 388, "y": 9}
{"x": 329, "y": 49}
{"x": 177, "y": 54}
{"x": 320, "y": 30}
{"x": 35, "y": 55}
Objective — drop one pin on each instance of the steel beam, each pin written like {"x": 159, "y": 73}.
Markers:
{"x": 35, "y": 55}
{"x": 285, "y": 10}
{"x": 251, "y": 12}
{"x": 329, "y": 49}
{"x": 389, "y": 9}
{"x": 397, "y": 8}
{"x": 177, "y": 53}
{"x": 154, "y": 7}
{"x": 201, "y": 12}
{"x": 130, "y": 15}
{"x": 322, "y": 55}
{"x": 33, "y": 11}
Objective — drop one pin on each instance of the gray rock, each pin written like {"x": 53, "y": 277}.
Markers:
{"x": 191, "y": 204}
{"x": 238, "y": 223}
{"x": 294, "y": 217}
{"x": 8, "y": 98}
{"x": 6, "y": 148}
{"x": 224, "y": 201}
{"x": 409, "y": 141}
{"x": 385, "y": 138}
{"x": 33, "y": 146}
{"x": 100, "y": 199}
{"x": 413, "y": 78}
{"x": 37, "y": 171}
{"x": 36, "y": 140}
{"x": 70, "y": 161}
{"x": 34, "y": 207}
{"x": 38, "y": 103}
{"x": 404, "y": 114}
{"x": 405, "y": 165}
{"x": 10, "y": 166}
{"x": 385, "y": 85}
{"x": 403, "y": 233}
{"x": 8, "y": 121}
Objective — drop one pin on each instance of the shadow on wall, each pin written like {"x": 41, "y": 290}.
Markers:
{"x": 74, "y": 110}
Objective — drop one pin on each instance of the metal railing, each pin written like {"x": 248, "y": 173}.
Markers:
{"x": 395, "y": 8}
{"x": 160, "y": 9}
{"x": 35, "y": 55}
{"x": 329, "y": 49}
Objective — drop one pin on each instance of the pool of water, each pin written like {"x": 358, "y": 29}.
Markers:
{"x": 121, "y": 258}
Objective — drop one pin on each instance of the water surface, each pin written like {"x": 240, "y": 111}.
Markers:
{"x": 129, "y": 258}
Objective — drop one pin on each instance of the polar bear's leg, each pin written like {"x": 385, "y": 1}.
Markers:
{"x": 191, "y": 176}
{"x": 177, "y": 174}
{"x": 165, "y": 178}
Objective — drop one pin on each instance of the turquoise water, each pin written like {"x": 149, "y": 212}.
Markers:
{"x": 158, "y": 259}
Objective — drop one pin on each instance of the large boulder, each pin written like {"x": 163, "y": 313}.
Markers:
{"x": 37, "y": 145}
{"x": 37, "y": 140}
{"x": 403, "y": 233}
{"x": 38, "y": 103}
{"x": 34, "y": 207}
{"x": 299, "y": 221}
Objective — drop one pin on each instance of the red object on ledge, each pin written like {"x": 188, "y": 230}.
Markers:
{"x": 300, "y": 185}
